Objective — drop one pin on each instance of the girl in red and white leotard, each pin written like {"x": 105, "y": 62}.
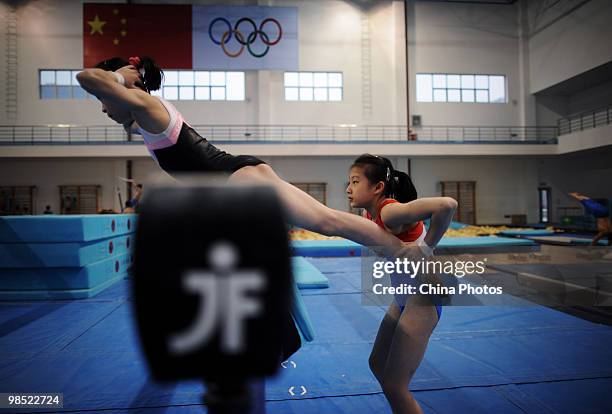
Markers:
{"x": 389, "y": 198}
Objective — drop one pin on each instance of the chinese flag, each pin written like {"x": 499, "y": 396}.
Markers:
{"x": 162, "y": 32}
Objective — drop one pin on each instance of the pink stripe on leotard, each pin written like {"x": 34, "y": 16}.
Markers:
{"x": 170, "y": 135}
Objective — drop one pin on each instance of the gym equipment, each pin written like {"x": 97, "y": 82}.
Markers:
{"x": 306, "y": 275}
{"x": 64, "y": 228}
{"x": 57, "y": 257}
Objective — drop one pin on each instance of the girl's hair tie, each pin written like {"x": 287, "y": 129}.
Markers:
{"x": 135, "y": 61}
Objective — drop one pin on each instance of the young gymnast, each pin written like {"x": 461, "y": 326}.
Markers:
{"x": 389, "y": 198}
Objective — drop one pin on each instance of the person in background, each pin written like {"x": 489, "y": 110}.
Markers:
{"x": 128, "y": 209}
{"x": 601, "y": 213}
{"x": 48, "y": 210}
{"x": 136, "y": 195}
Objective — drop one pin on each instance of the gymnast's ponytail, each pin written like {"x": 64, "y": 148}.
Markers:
{"x": 402, "y": 188}
{"x": 150, "y": 74}
{"x": 398, "y": 184}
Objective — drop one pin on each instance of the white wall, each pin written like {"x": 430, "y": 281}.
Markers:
{"x": 572, "y": 45}
{"x": 466, "y": 39}
{"x": 503, "y": 186}
{"x": 592, "y": 98}
{"x": 549, "y": 108}
{"x": 588, "y": 172}
{"x": 48, "y": 174}
{"x": 587, "y": 139}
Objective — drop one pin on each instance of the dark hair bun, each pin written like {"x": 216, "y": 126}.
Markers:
{"x": 153, "y": 75}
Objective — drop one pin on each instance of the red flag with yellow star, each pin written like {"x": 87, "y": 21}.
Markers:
{"x": 162, "y": 32}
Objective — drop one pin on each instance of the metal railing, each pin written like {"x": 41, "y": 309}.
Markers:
{"x": 585, "y": 120}
{"x": 498, "y": 134}
{"x": 74, "y": 134}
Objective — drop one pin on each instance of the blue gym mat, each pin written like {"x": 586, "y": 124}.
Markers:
{"x": 563, "y": 240}
{"x": 525, "y": 233}
{"x": 454, "y": 225}
{"x": 64, "y": 228}
{"x": 325, "y": 248}
{"x": 347, "y": 248}
{"x": 512, "y": 359}
{"x": 301, "y": 316}
{"x": 307, "y": 276}
{"x": 62, "y": 254}
{"x": 47, "y": 282}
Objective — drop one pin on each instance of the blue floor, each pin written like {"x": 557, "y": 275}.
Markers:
{"x": 523, "y": 359}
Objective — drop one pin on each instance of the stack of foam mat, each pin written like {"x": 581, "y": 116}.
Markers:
{"x": 306, "y": 276}
{"x": 63, "y": 257}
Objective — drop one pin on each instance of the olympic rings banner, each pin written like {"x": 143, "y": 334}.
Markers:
{"x": 186, "y": 36}
{"x": 245, "y": 37}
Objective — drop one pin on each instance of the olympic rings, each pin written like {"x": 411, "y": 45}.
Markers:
{"x": 240, "y": 38}
{"x": 280, "y": 31}
{"x": 253, "y": 25}
{"x": 210, "y": 26}
{"x": 264, "y": 38}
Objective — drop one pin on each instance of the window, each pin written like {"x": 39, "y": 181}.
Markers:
{"x": 441, "y": 87}
{"x": 60, "y": 84}
{"x": 313, "y": 86}
{"x": 177, "y": 85}
{"x": 200, "y": 85}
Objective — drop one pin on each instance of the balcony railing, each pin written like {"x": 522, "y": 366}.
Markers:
{"x": 75, "y": 134}
{"x": 585, "y": 120}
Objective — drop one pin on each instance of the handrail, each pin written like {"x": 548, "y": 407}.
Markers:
{"x": 114, "y": 134}
{"x": 585, "y": 120}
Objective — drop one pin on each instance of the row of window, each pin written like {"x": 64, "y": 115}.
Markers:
{"x": 202, "y": 85}
{"x": 299, "y": 86}
{"x": 442, "y": 87}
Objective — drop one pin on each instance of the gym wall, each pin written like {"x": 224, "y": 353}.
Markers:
{"x": 48, "y": 174}
{"x": 551, "y": 46}
{"x": 466, "y": 39}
